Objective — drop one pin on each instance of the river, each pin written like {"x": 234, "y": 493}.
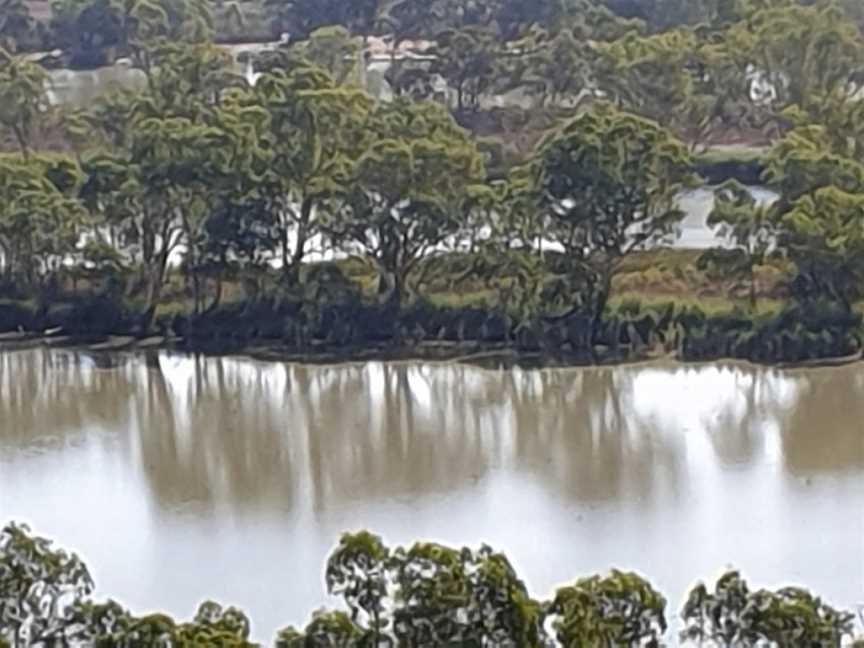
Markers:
{"x": 180, "y": 478}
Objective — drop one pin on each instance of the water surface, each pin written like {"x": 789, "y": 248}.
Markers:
{"x": 180, "y": 478}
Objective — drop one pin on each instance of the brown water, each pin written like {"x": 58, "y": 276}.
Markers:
{"x": 180, "y": 478}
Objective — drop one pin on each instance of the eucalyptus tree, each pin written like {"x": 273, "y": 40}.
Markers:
{"x": 720, "y": 99}
{"x": 181, "y": 146}
{"x": 357, "y": 570}
{"x": 22, "y": 97}
{"x": 336, "y": 50}
{"x": 405, "y": 190}
{"x": 506, "y": 249}
{"x": 802, "y": 52}
{"x": 424, "y": 595}
{"x": 40, "y": 216}
{"x": 554, "y": 68}
{"x": 734, "y": 615}
{"x": 817, "y": 170}
{"x": 621, "y": 609}
{"x": 324, "y": 630}
{"x": 38, "y": 584}
{"x": 608, "y": 183}
{"x": 469, "y": 60}
{"x": 110, "y": 624}
{"x": 316, "y": 134}
{"x": 648, "y": 74}
{"x": 748, "y": 226}
{"x": 90, "y": 28}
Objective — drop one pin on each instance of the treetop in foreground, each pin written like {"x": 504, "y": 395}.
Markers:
{"x": 426, "y": 594}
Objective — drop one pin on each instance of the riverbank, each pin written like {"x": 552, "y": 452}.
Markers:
{"x": 105, "y": 350}
{"x": 662, "y": 306}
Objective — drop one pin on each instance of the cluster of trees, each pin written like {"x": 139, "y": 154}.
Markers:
{"x": 235, "y": 179}
{"x": 423, "y": 595}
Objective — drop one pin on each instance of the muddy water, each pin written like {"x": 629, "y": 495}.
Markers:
{"x": 179, "y": 478}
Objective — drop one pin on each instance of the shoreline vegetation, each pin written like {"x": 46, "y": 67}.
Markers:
{"x": 426, "y": 594}
{"x": 519, "y": 192}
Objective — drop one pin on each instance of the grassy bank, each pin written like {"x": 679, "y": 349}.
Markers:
{"x": 662, "y": 304}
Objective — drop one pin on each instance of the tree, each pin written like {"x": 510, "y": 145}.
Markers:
{"x": 37, "y": 585}
{"x": 823, "y": 233}
{"x": 334, "y": 49}
{"x": 819, "y": 215}
{"x": 16, "y": 24}
{"x": 109, "y": 624}
{"x": 649, "y": 75}
{"x": 468, "y": 60}
{"x": 184, "y": 143}
{"x": 22, "y": 97}
{"x": 357, "y": 570}
{"x": 326, "y": 629}
{"x": 554, "y": 68}
{"x": 720, "y": 95}
{"x": 608, "y": 183}
{"x": 434, "y": 595}
{"x": 406, "y": 190}
{"x": 315, "y": 135}
{"x": 748, "y": 226}
{"x": 96, "y": 31}
{"x": 40, "y": 218}
{"x": 733, "y": 615}
{"x": 425, "y": 595}
{"x": 621, "y": 609}
{"x": 802, "y": 52}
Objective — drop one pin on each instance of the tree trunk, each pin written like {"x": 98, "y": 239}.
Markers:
{"x": 292, "y": 270}
{"x": 602, "y": 291}
{"x": 155, "y": 281}
{"x": 752, "y": 288}
{"x": 22, "y": 140}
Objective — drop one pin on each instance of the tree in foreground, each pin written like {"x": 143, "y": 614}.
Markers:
{"x": 734, "y": 615}
{"x": 38, "y": 586}
{"x": 425, "y": 595}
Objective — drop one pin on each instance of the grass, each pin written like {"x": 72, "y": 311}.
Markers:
{"x": 654, "y": 278}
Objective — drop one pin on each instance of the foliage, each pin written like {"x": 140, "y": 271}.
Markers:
{"x": 335, "y": 50}
{"x": 40, "y": 217}
{"x": 37, "y": 586}
{"x": 423, "y": 595}
{"x": 229, "y": 182}
{"x": 314, "y": 139}
{"x": 621, "y": 609}
{"x": 607, "y": 183}
{"x": 733, "y": 615}
{"x": 22, "y": 96}
{"x": 648, "y": 74}
{"x": 750, "y": 229}
{"x": 406, "y": 189}
{"x": 803, "y": 52}
{"x": 467, "y": 58}
{"x": 816, "y": 170}
{"x": 94, "y": 32}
